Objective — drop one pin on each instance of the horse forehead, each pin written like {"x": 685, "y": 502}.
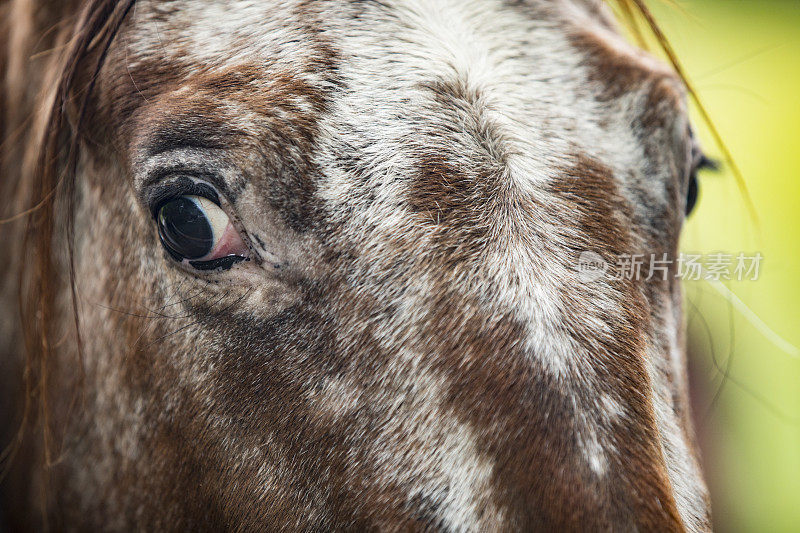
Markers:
{"x": 546, "y": 49}
{"x": 530, "y": 82}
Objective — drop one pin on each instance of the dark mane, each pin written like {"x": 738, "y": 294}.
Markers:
{"x": 39, "y": 157}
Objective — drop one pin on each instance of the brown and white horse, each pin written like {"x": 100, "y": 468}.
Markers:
{"x": 310, "y": 265}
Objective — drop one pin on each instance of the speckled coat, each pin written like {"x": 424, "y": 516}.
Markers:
{"x": 410, "y": 345}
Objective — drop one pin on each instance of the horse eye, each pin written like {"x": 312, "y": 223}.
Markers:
{"x": 195, "y": 229}
{"x": 691, "y": 193}
{"x": 693, "y": 187}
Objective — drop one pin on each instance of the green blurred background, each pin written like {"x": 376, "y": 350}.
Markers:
{"x": 744, "y": 60}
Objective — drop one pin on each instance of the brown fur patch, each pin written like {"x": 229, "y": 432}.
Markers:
{"x": 615, "y": 71}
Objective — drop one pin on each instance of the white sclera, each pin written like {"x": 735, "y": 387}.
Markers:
{"x": 216, "y": 217}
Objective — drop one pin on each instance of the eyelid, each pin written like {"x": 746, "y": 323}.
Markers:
{"x": 176, "y": 186}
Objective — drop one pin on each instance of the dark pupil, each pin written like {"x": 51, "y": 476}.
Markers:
{"x": 184, "y": 229}
{"x": 691, "y": 194}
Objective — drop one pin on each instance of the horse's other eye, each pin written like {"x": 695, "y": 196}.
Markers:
{"x": 693, "y": 188}
{"x": 196, "y": 230}
{"x": 691, "y": 193}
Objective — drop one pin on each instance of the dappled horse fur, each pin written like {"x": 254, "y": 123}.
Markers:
{"x": 410, "y": 345}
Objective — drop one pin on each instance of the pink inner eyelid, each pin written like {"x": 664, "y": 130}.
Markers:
{"x": 230, "y": 243}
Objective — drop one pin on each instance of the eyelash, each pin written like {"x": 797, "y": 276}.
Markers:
{"x": 701, "y": 163}
{"x": 177, "y": 187}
